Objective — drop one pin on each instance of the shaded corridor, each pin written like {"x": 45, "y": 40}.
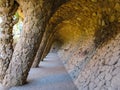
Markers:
{"x": 50, "y": 76}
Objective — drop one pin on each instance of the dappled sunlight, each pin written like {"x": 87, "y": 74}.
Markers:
{"x": 17, "y": 31}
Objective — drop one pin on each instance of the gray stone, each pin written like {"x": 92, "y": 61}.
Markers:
{"x": 108, "y": 77}
{"x": 115, "y": 81}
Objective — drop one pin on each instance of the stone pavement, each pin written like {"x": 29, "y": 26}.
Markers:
{"x": 51, "y": 75}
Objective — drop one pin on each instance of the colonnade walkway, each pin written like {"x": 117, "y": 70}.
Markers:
{"x": 51, "y": 75}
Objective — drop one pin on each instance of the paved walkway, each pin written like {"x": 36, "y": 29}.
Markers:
{"x": 51, "y": 75}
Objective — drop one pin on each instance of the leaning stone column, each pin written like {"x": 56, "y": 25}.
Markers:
{"x": 47, "y": 46}
{"x": 7, "y": 10}
{"x": 27, "y": 45}
{"x": 36, "y": 13}
{"x": 40, "y": 51}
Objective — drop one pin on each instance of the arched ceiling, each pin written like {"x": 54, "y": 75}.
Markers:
{"x": 84, "y": 16}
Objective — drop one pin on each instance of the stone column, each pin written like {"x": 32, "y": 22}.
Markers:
{"x": 40, "y": 51}
{"x": 36, "y": 14}
{"x": 7, "y": 10}
{"x": 47, "y": 46}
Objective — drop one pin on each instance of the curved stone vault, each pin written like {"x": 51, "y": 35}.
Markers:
{"x": 84, "y": 33}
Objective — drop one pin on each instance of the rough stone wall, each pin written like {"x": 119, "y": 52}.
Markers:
{"x": 77, "y": 33}
{"x": 55, "y": 46}
{"x": 102, "y": 72}
{"x": 93, "y": 68}
{"x": 89, "y": 35}
{"x": 94, "y": 52}
{"x": 76, "y": 55}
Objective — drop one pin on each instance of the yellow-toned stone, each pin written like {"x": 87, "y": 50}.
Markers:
{"x": 79, "y": 19}
{"x": 119, "y": 19}
{"x": 103, "y": 23}
{"x": 117, "y": 7}
{"x": 94, "y": 14}
{"x": 94, "y": 0}
{"x": 69, "y": 32}
{"x": 112, "y": 18}
{"x": 20, "y": 13}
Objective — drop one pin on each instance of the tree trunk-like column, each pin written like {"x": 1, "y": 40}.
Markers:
{"x": 44, "y": 48}
{"x": 6, "y": 37}
{"x": 6, "y": 41}
{"x": 47, "y": 46}
{"x": 57, "y": 3}
{"x": 36, "y": 13}
{"x": 40, "y": 51}
{"x": 46, "y": 39}
{"x": 25, "y": 50}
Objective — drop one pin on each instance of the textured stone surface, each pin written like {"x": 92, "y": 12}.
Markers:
{"x": 6, "y": 35}
{"x": 37, "y": 14}
{"x": 89, "y": 33}
{"x": 107, "y": 75}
